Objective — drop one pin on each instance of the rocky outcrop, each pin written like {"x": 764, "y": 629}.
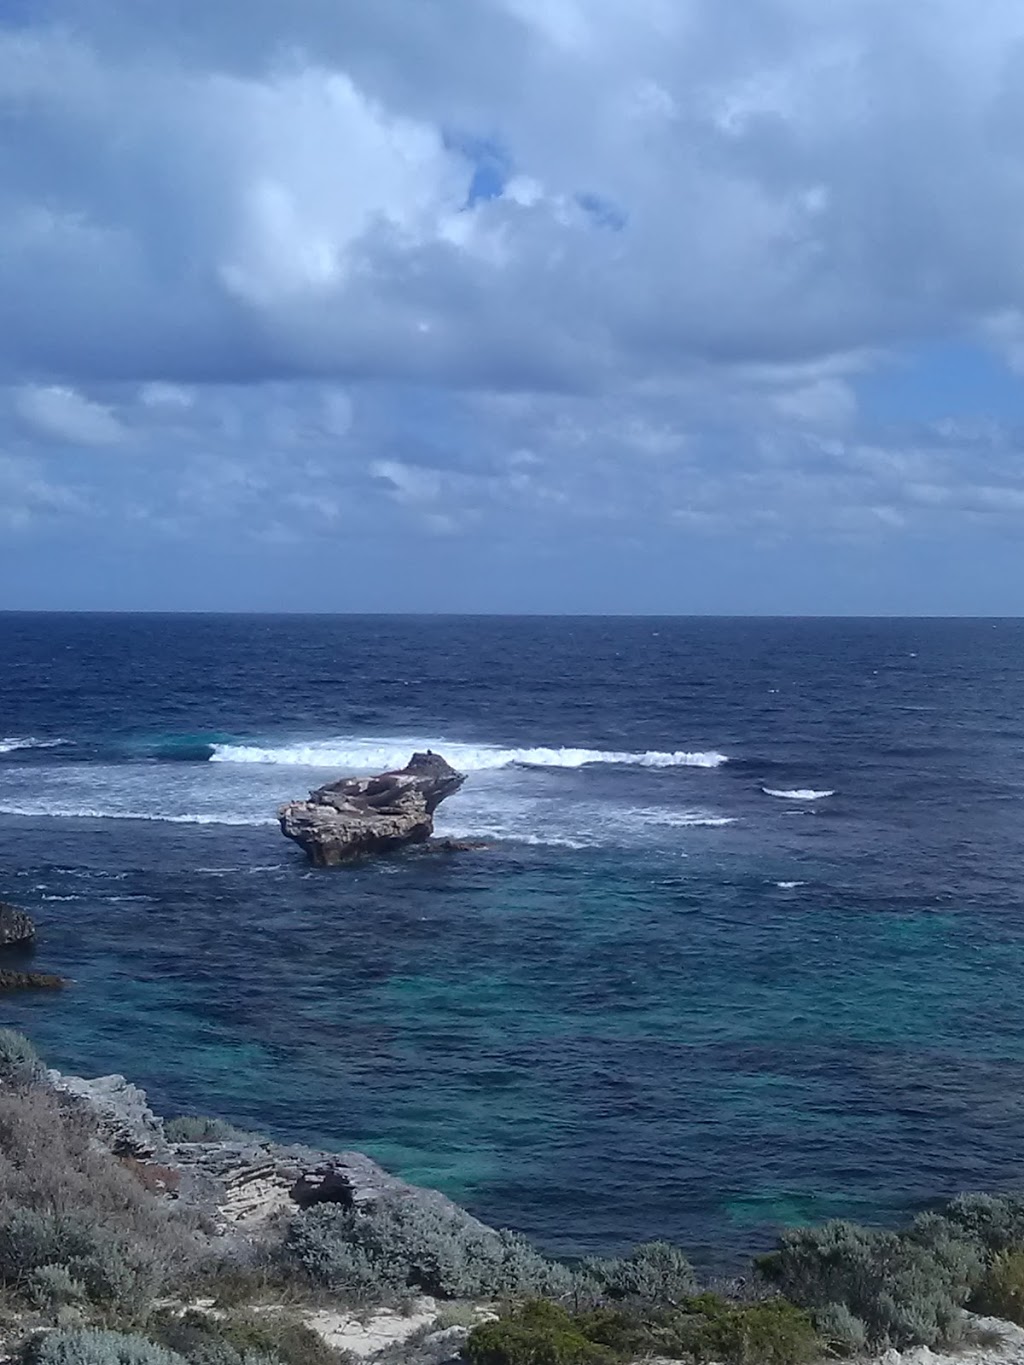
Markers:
{"x": 366, "y": 815}
{"x": 245, "y": 1182}
{"x": 118, "y": 1110}
{"x": 240, "y": 1183}
{"x": 16, "y": 929}
{"x": 30, "y": 981}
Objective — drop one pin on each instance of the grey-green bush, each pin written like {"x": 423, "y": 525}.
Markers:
{"x": 993, "y": 1223}
{"x": 19, "y": 1061}
{"x": 906, "y": 1291}
{"x": 64, "y": 1203}
{"x": 187, "y": 1128}
{"x": 374, "y": 1256}
{"x": 654, "y": 1273}
{"x": 86, "y": 1347}
{"x": 110, "y": 1267}
{"x": 840, "y": 1330}
{"x": 50, "y": 1286}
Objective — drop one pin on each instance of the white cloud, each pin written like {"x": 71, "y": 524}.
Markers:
{"x": 687, "y": 243}
{"x": 289, "y": 197}
{"x": 56, "y": 411}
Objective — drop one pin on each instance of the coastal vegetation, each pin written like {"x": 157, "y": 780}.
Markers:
{"x": 122, "y": 1251}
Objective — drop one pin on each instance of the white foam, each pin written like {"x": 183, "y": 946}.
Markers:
{"x": 9, "y": 745}
{"x": 39, "y": 809}
{"x": 676, "y": 819}
{"x": 789, "y": 886}
{"x": 798, "y": 794}
{"x": 354, "y": 754}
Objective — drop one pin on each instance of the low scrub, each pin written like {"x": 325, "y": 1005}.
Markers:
{"x": 74, "y": 1219}
{"x": 703, "y": 1329}
{"x": 240, "y": 1338}
{"x": 536, "y": 1334}
{"x": 382, "y": 1254}
{"x": 1001, "y": 1292}
{"x": 85, "y": 1347}
{"x": 187, "y": 1128}
{"x": 20, "y": 1063}
{"x": 891, "y": 1288}
{"x": 654, "y": 1273}
{"x": 992, "y": 1223}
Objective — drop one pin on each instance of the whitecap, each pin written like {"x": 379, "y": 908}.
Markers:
{"x": 40, "y": 810}
{"x": 367, "y": 755}
{"x": 798, "y": 794}
{"x": 11, "y": 744}
{"x": 789, "y": 886}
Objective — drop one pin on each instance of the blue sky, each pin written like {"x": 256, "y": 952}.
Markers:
{"x": 512, "y": 305}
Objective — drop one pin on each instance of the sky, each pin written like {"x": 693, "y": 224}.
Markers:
{"x": 668, "y": 306}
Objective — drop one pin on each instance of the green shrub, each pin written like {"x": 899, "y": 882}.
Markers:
{"x": 906, "y": 1289}
{"x": 706, "y": 1328}
{"x": 84, "y": 1347}
{"x": 655, "y": 1273}
{"x": 20, "y": 1063}
{"x": 374, "y": 1256}
{"x": 187, "y": 1128}
{"x": 538, "y": 1333}
{"x": 1001, "y": 1292}
{"x": 774, "y": 1332}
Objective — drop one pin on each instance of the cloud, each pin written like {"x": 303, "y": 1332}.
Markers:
{"x": 55, "y": 411}
{"x": 28, "y": 498}
{"x": 292, "y": 193}
{"x": 515, "y": 271}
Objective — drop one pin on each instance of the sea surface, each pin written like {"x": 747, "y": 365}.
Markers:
{"x": 745, "y": 948}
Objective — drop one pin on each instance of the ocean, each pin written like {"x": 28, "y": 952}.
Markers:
{"x": 745, "y": 946}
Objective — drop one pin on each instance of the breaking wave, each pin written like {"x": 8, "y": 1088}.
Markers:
{"x": 10, "y": 745}
{"x": 358, "y": 755}
{"x": 46, "y": 809}
{"x": 798, "y": 794}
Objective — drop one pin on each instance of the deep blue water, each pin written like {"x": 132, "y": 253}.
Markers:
{"x": 661, "y": 1003}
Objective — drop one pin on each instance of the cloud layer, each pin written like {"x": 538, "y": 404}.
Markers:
{"x": 511, "y": 272}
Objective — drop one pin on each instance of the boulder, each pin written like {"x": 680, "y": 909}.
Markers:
{"x": 358, "y": 816}
{"x": 16, "y": 929}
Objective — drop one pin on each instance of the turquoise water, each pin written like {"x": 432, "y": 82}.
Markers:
{"x": 660, "y": 1003}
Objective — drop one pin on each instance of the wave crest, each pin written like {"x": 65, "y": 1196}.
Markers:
{"x": 359, "y": 755}
{"x": 798, "y": 794}
{"x": 13, "y": 743}
{"x": 45, "y": 810}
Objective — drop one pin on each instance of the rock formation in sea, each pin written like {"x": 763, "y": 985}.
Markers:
{"x": 16, "y": 929}
{"x": 30, "y": 981}
{"x": 365, "y": 815}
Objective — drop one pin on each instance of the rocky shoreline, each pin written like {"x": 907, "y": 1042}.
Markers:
{"x": 332, "y": 1245}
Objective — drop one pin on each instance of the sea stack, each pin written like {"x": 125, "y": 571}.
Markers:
{"x": 359, "y": 816}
